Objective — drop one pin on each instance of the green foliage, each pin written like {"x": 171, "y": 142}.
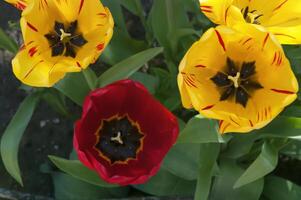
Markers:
{"x": 66, "y": 187}
{"x": 7, "y": 43}
{"x": 166, "y": 184}
{"x": 127, "y": 67}
{"x": 12, "y": 136}
{"x": 79, "y": 171}
{"x": 207, "y": 158}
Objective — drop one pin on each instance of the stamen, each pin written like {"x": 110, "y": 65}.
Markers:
{"x": 235, "y": 79}
{"x": 117, "y": 138}
{"x": 64, "y": 35}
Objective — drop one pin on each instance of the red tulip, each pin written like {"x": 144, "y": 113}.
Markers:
{"x": 124, "y": 133}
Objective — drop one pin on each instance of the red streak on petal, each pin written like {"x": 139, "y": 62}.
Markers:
{"x": 283, "y": 91}
{"x": 234, "y": 121}
{"x": 200, "y": 66}
{"x": 220, "y": 39}
{"x": 251, "y": 123}
{"x": 220, "y": 124}
{"x": 20, "y": 5}
{"x": 223, "y": 131}
{"x": 278, "y": 7}
{"x": 208, "y": 107}
{"x": 275, "y": 56}
{"x": 32, "y": 27}
{"x": 247, "y": 41}
{"x": 32, "y": 51}
{"x": 102, "y": 14}
{"x": 29, "y": 72}
{"x": 226, "y": 14}
{"x": 265, "y": 40}
{"x": 208, "y": 11}
{"x": 100, "y": 46}
{"x": 81, "y": 5}
{"x": 78, "y": 64}
{"x": 279, "y": 59}
{"x": 191, "y": 82}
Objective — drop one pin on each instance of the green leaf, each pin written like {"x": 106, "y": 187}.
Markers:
{"x": 7, "y": 43}
{"x": 167, "y": 184}
{"x": 149, "y": 81}
{"x": 75, "y": 87}
{"x": 56, "y": 100}
{"x": 76, "y": 169}
{"x": 13, "y": 134}
{"x": 181, "y": 161}
{"x": 239, "y": 145}
{"x": 265, "y": 163}
{"x": 121, "y": 47}
{"x": 200, "y": 130}
{"x": 68, "y": 188}
{"x": 165, "y": 18}
{"x": 282, "y": 127}
{"x": 90, "y": 77}
{"x": 223, "y": 184}
{"x": 276, "y": 188}
{"x": 208, "y": 156}
{"x": 127, "y": 67}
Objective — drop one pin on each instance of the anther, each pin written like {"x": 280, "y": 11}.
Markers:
{"x": 64, "y": 34}
{"x": 235, "y": 79}
{"x": 117, "y": 138}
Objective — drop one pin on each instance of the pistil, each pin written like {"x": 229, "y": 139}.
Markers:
{"x": 64, "y": 35}
{"x": 235, "y": 79}
{"x": 117, "y": 138}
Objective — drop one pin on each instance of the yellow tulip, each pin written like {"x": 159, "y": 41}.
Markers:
{"x": 19, "y": 4}
{"x": 280, "y": 17}
{"x": 60, "y": 37}
{"x": 242, "y": 79}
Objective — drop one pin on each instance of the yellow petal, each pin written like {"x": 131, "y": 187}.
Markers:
{"x": 33, "y": 70}
{"x": 209, "y": 56}
{"x": 215, "y": 10}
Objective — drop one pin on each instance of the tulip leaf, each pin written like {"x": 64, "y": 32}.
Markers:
{"x": 200, "y": 130}
{"x": 67, "y": 187}
{"x": 223, "y": 183}
{"x": 76, "y": 169}
{"x": 276, "y": 188}
{"x": 90, "y": 77}
{"x": 207, "y": 158}
{"x": 127, "y": 67}
{"x": 282, "y": 127}
{"x": 166, "y": 184}
{"x": 166, "y": 18}
{"x": 149, "y": 81}
{"x": 265, "y": 163}
{"x": 181, "y": 161}
{"x": 13, "y": 134}
{"x": 75, "y": 87}
{"x": 7, "y": 43}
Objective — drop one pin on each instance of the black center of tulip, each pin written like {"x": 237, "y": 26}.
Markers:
{"x": 119, "y": 139}
{"x": 235, "y": 83}
{"x": 65, "y": 40}
{"x": 251, "y": 16}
